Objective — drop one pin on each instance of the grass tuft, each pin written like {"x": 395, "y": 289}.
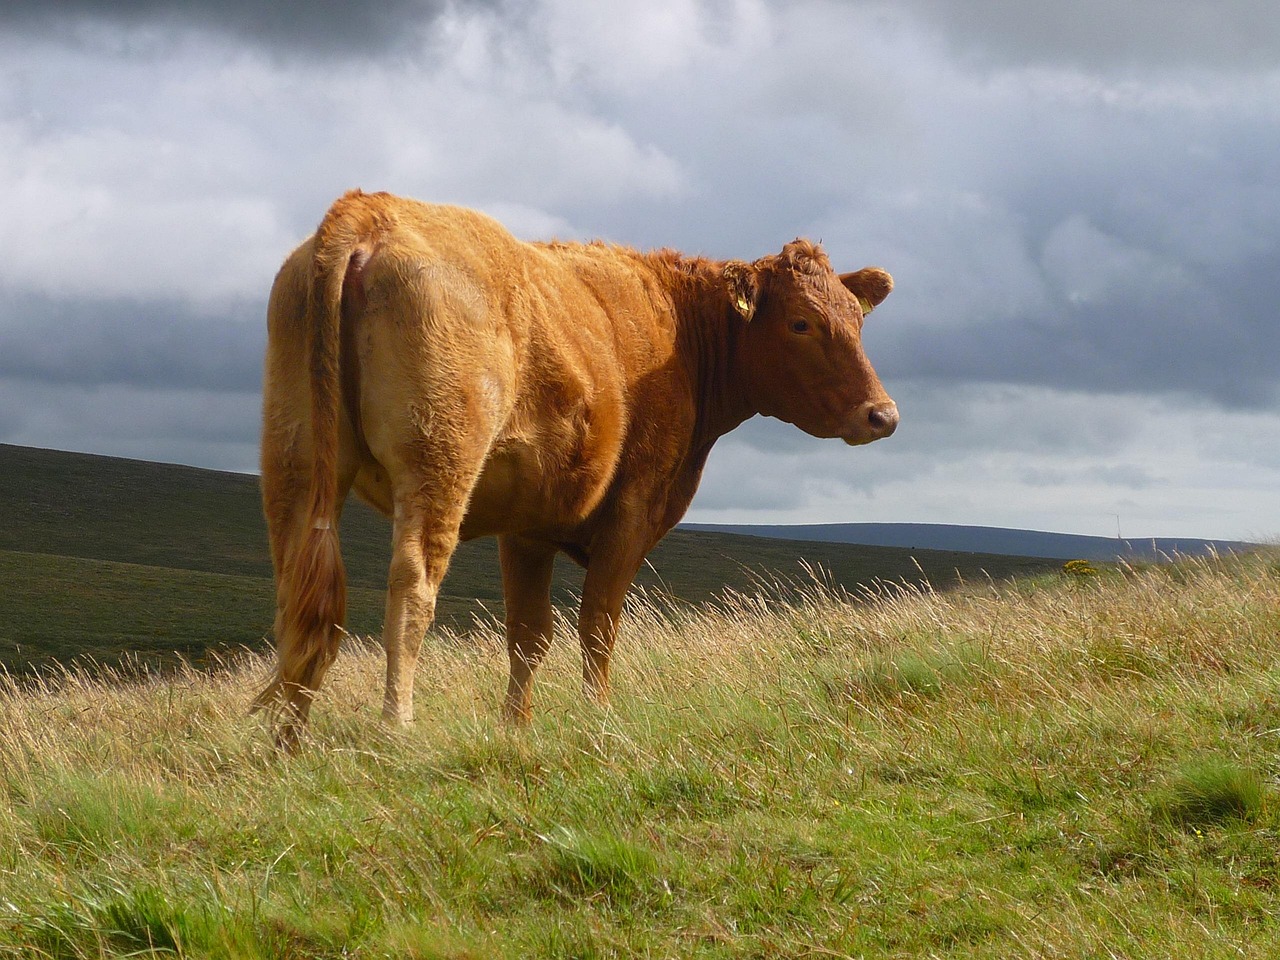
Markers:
{"x": 1209, "y": 792}
{"x": 111, "y": 922}
{"x": 578, "y": 863}
{"x": 907, "y": 675}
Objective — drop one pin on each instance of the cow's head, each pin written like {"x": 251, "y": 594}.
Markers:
{"x": 803, "y": 354}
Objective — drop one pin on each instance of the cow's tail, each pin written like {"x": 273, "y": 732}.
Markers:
{"x": 311, "y": 585}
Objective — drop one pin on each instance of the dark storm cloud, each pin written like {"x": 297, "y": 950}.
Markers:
{"x": 1152, "y": 35}
{"x": 79, "y": 342}
{"x": 1139, "y": 340}
{"x": 1085, "y": 235}
{"x": 321, "y": 26}
{"x": 214, "y": 428}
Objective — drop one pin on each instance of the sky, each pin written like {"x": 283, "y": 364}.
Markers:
{"x": 1080, "y": 205}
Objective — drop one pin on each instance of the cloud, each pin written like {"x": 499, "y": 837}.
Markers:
{"x": 91, "y": 342}
{"x": 155, "y": 182}
{"x": 310, "y": 26}
{"x": 211, "y": 428}
{"x": 1017, "y": 456}
{"x": 1068, "y": 238}
{"x": 1164, "y": 36}
{"x": 1079, "y": 210}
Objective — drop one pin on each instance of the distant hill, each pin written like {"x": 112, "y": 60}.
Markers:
{"x": 106, "y": 558}
{"x": 971, "y": 539}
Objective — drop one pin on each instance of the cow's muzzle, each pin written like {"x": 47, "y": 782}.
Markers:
{"x": 874, "y": 420}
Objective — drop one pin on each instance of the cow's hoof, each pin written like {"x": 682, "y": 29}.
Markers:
{"x": 396, "y": 718}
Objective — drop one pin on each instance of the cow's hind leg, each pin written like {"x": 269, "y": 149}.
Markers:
{"x": 424, "y": 538}
{"x": 432, "y": 406}
{"x": 418, "y": 561}
{"x": 526, "y": 588}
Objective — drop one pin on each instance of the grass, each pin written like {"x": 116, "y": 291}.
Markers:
{"x": 1049, "y": 768}
{"x": 69, "y": 610}
{"x": 1211, "y": 791}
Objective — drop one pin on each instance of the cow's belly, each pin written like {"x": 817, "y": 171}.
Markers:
{"x": 546, "y": 474}
{"x": 513, "y": 494}
{"x": 527, "y": 487}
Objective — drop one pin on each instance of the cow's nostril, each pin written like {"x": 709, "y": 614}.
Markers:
{"x": 883, "y": 419}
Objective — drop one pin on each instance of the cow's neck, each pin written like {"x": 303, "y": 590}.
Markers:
{"x": 711, "y": 341}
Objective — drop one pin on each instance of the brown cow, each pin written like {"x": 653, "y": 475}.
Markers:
{"x": 562, "y": 396}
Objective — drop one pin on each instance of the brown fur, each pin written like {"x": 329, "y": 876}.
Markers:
{"x": 563, "y": 397}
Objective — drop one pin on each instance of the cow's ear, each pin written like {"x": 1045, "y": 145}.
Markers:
{"x": 870, "y": 285}
{"x": 744, "y": 287}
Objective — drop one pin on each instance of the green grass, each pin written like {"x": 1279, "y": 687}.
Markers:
{"x": 1049, "y": 770}
{"x": 1211, "y": 791}
{"x": 68, "y": 610}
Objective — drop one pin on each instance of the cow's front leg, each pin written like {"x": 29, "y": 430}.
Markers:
{"x": 526, "y": 590}
{"x": 609, "y": 575}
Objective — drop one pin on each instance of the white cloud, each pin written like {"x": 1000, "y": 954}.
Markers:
{"x": 1013, "y": 457}
{"x": 174, "y": 177}
{"x": 625, "y": 47}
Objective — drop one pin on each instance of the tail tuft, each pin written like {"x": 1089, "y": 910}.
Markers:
{"x": 309, "y": 627}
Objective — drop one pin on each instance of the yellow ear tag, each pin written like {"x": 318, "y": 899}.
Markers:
{"x": 744, "y": 305}
{"x": 866, "y": 305}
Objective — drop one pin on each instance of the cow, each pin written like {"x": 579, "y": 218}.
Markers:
{"x": 561, "y": 396}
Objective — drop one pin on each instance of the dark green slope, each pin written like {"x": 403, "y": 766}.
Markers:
{"x": 101, "y": 556}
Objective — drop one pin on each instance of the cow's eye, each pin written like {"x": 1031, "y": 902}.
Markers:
{"x": 800, "y": 326}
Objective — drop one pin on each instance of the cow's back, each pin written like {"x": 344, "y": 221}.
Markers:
{"x": 534, "y": 351}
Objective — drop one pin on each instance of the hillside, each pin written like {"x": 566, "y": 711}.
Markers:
{"x": 998, "y": 540}
{"x": 103, "y": 557}
{"x": 1057, "y": 768}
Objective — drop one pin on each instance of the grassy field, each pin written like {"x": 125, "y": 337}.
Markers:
{"x": 1069, "y": 766}
{"x": 113, "y": 560}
